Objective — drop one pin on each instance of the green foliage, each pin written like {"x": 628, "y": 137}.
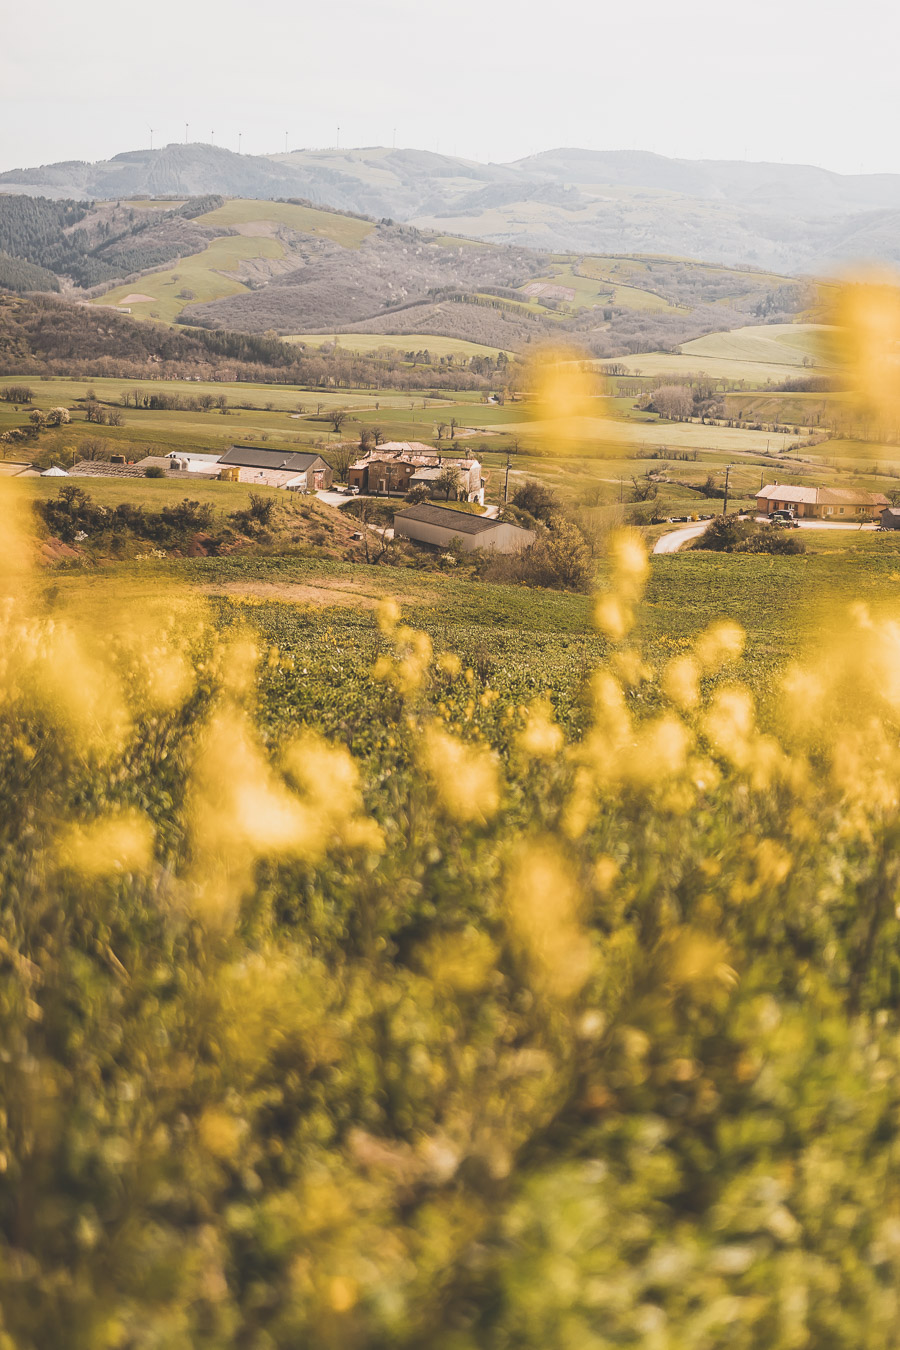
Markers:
{"x": 18, "y": 275}
{"x": 72, "y": 513}
{"x": 537, "y": 499}
{"x": 732, "y": 534}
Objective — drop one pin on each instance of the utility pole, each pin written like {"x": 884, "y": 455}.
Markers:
{"x": 506, "y": 481}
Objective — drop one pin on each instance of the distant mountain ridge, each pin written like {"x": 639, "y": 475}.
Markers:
{"x": 793, "y": 218}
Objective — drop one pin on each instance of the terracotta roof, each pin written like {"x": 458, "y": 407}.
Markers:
{"x": 820, "y": 496}
{"x": 848, "y": 497}
{"x": 786, "y": 492}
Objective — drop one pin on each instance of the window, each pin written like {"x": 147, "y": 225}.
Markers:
{"x": 829, "y": 510}
{"x": 841, "y": 510}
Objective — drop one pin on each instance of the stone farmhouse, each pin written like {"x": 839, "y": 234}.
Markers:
{"x": 395, "y": 468}
{"x": 820, "y": 503}
{"x": 438, "y": 525}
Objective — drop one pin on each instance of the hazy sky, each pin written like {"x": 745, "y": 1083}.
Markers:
{"x": 811, "y": 81}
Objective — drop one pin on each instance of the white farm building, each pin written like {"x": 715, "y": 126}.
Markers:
{"x": 438, "y": 525}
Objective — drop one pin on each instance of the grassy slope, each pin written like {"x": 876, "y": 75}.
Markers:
{"x": 202, "y": 273}
{"x": 777, "y": 344}
{"x": 344, "y": 230}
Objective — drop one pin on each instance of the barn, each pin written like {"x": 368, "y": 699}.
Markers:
{"x": 439, "y": 525}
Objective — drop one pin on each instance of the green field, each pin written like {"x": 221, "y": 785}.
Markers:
{"x": 398, "y": 342}
{"x": 344, "y": 230}
{"x": 203, "y": 274}
{"x": 772, "y": 344}
{"x": 593, "y": 289}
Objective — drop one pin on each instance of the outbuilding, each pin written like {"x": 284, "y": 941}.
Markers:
{"x": 890, "y": 518}
{"x": 278, "y": 468}
{"x": 439, "y": 525}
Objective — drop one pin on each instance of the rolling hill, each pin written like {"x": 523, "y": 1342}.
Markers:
{"x": 782, "y": 216}
{"x": 287, "y": 268}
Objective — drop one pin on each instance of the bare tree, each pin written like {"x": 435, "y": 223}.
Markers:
{"x": 337, "y": 417}
{"x": 340, "y": 457}
{"x": 93, "y": 449}
{"x": 674, "y": 401}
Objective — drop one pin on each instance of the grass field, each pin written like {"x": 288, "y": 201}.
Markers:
{"x": 401, "y": 342}
{"x": 523, "y": 640}
{"x": 344, "y": 230}
{"x": 592, "y": 288}
{"x": 200, "y": 273}
{"x": 786, "y": 344}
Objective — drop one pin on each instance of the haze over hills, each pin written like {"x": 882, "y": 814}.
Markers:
{"x": 791, "y": 218}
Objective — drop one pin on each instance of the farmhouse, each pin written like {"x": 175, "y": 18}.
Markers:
{"x": 438, "y": 525}
{"x": 398, "y": 466}
{"x": 276, "y": 468}
{"x": 820, "y": 503}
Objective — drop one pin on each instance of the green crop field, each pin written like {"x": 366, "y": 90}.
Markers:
{"x": 773, "y": 344}
{"x": 677, "y": 365}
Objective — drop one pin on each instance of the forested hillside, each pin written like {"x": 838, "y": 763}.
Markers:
{"x": 91, "y": 244}
{"x": 45, "y": 335}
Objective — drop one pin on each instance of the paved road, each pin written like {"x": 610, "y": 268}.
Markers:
{"x": 676, "y": 539}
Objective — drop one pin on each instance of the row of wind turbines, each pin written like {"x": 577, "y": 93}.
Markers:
{"x": 212, "y": 137}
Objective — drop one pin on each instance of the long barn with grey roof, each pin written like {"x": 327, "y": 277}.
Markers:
{"x": 439, "y": 525}
{"x": 276, "y": 468}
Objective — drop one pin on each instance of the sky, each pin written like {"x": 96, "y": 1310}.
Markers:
{"x": 796, "y": 81}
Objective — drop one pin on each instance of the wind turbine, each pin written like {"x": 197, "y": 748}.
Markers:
{"x": 285, "y": 142}
{"x": 239, "y": 142}
{"x": 151, "y": 138}
{"x": 186, "y": 126}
